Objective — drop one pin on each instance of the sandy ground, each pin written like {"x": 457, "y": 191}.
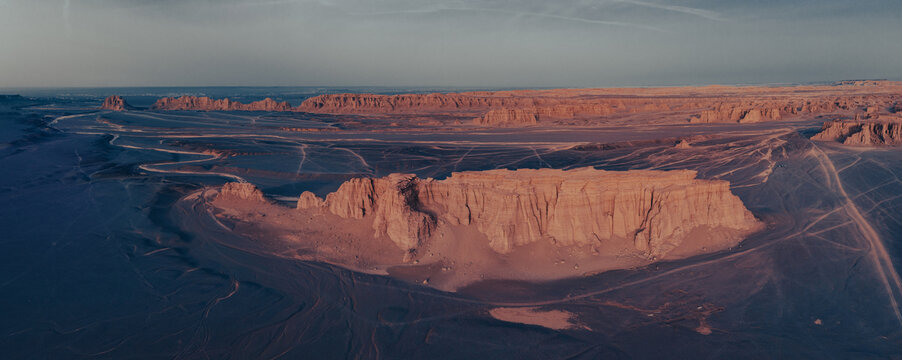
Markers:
{"x": 552, "y": 319}
{"x": 104, "y": 256}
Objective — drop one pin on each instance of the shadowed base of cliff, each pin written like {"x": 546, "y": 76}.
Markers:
{"x": 530, "y": 225}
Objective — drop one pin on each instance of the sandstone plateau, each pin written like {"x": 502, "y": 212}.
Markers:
{"x": 651, "y": 211}
{"x": 709, "y": 104}
{"x": 208, "y": 104}
{"x": 867, "y": 133}
{"x": 115, "y": 103}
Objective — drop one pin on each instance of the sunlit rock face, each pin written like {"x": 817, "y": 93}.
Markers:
{"x": 738, "y": 113}
{"x": 507, "y": 117}
{"x": 115, "y": 103}
{"x": 241, "y": 191}
{"x": 208, "y": 104}
{"x": 652, "y": 210}
{"x": 866, "y": 133}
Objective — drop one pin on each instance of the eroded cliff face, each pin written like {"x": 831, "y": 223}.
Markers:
{"x": 115, "y": 103}
{"x": 208, "y": 104}
{"x": 508, "y": 117}
{"x": 714, "y": 104}
{"x": 652, "y": 211}
{"x": 867, "y": 133}
{"x": 744, "y": 105}
{"x": 736, "y": 113}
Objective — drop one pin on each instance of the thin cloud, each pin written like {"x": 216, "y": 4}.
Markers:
{"x": 707, "y": 14}
{"x": 66, "y": 5}
{"x": 517, "y": 13}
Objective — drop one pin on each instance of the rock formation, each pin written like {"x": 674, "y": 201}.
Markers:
{"x": 683, "y": 144}
{"x": 861, "y": 133}
{"x": 208, "y": 104}
{"x": 721, "y": 104}
{"x": 507, "y": 117}
{"x": 240, "y": 191}
{"x": 308, "y": 200}
{"x": 736, "y": 113}
{"x": 651, "y": 210}
{"x": 115, "y": 103}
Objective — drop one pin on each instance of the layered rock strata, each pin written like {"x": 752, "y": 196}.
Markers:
{"x": 652, "y": 211}
{"x": 713, "y": 104}
{"x": 115, "y": 103}
{"x": 507, "y": 117}
{"x": 208, "y": 104}
{"x": 736, "y": 113}
{"x": 861, "y": 133}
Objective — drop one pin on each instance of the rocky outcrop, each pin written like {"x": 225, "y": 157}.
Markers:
{"x": 552, "y": 107}
{"x": 653, "y": 211}
{"x": 115, "y": 103}
{"x": 507, "y": 117}
{"x": 736, "y": 113}
{"x": 240, "y": 191}
{"x": 861, "y": 133}
{"x": 368, "y": 103}
{"x": 683, "y": 144}
{"x": 308, "y": 200}
{"x": 208, "y": 104}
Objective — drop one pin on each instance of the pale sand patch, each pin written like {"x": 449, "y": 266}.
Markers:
{"x": 552, "y": 319}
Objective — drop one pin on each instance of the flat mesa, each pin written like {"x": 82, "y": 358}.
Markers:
{"x": 536, "y": 108}
{"x": 525, "y": 224}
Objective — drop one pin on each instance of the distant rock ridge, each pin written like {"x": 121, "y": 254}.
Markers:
{"x": 116, "y": 103}
{"x": 712, "y": 104}
{"x": 208, "y": 104}
{"x": 867, "y": 133}
{"x": 652, "y": 211}
{"x": 569, "y": 103}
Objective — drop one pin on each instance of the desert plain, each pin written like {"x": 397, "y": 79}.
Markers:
{"x": 409, "y": 222}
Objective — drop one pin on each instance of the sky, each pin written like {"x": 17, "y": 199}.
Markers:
{"x": 459, "y": 43}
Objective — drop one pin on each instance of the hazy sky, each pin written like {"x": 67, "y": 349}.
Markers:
{"x": 494, "y": 43}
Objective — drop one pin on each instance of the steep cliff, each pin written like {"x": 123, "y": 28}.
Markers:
{"x": 723, "y": 104}
{"x": 861, "y": 133}
{"x": 507, "y": 117}
{"x": 652, "y": 211}
{"x": 736, "y": 113}
{"x": 208, "y": 104}
{"x": 115, "y": 103}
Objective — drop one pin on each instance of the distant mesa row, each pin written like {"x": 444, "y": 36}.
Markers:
{"x": 208, "y": 104}
{"x": 716, "y": 104}
{"x": 194, "y": 103}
